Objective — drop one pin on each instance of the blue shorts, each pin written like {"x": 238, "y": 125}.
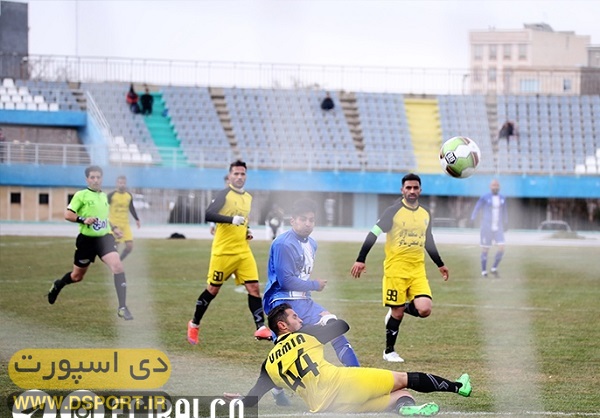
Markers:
{"x": 488, "y": 237}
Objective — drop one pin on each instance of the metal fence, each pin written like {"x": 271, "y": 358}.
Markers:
{"x": 329, "y": 77}
{"x": 18, "y": 152}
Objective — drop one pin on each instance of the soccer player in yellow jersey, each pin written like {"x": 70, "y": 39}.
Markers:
{"x": 121, "y": 205}
{"x": 231, "y": 252}
{"x": 405, "y": 285}
{"x": 89, "y": 208}
{"x": 297, "y": 362}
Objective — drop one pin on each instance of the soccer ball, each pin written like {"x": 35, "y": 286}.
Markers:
{"x": 459, "y": 157}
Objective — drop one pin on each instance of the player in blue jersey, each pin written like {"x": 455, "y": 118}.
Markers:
{"x": 291, "y": 261}
{"x": 494, "y": 220}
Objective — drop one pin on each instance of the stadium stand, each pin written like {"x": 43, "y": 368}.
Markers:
{"x": 197, "y": 126}
{"x": 131, "y": 140}
{"x": 386, "y": 139}
{"x": 36, "y": 96}
{"x": 290, "y": 130}
{"x": 556, "y": 134}
{"x": 279, "y": 128}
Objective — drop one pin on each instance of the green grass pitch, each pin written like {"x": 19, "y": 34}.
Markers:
{"x": 530, "y": 340}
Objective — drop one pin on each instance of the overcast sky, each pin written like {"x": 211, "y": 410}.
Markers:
{"x": 345, "y": 32}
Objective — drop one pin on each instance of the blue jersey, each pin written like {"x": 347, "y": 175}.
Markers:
{"x": 494, "y": 215}
{"x": 291, "y": 261}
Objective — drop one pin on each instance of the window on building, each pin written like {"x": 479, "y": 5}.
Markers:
{"x": 493, "y": 50}
{"x": 529, "y": 86}
{"x": 567, "y": 84}
{"x": 507, "y": 52}
{"x": 477, "y": 75}
{"x": 477, "y": 52}
{"x": 492, "y": 75}
{"x": 15, "y": 197}
{"x": 522, "y": 51}
{"x": 43, "y": 198}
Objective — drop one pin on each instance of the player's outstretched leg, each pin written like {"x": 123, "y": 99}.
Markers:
{"x": 124, "y": 313}
{"x": 201, "y": 306}
{"x": 426, "y": 410}
{"x": 57, "y": 287}
{"x": 427, "y": 382}
{"x": 392, "y": 327}
{"x": 344, "y": 351}
{"x": 280, "y": 397}
{"x": 406, "y": 407}
{"x": 465, "y": 381}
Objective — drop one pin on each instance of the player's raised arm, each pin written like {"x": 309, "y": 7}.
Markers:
{"x": 330, "y": 331}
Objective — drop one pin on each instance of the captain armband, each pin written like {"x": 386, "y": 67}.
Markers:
{"x": 376, "y": 230}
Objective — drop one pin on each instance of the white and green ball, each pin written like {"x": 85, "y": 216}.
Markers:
{"x": 459, "y": 157}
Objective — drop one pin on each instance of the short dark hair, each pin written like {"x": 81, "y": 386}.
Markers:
{"x": 91, "y": 168}
{"x": 303, "y": 206}
{"x": 410, "y": 177}
{"x": 277, "y": 314}
{"x": 122, "y": 177}
{"x": 237, "y": 163}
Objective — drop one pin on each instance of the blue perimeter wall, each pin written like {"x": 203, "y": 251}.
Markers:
{"x": 547, "y": 186}
{"x": 348, "y": 182}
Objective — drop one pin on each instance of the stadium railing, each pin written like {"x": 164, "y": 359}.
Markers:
{"x": 331, "y": 77}
{"x": 18, "y": 152}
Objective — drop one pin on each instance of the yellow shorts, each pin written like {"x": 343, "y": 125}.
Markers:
{"x": 363, "y": 389}
{"x": 127, "y": 234}
{"x": 397, "y": 291}
{"x": 223, "y": 266}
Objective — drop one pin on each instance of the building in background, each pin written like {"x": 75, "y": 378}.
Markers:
{"x": 533, "y": 60}
{"x": 14, "y": 38}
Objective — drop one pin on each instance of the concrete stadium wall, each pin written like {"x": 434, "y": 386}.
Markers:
{"x": 60, "y": 118}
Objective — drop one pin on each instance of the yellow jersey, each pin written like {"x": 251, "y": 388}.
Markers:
{"x": 297, "y": 363}
{"x": 121, "y": 204}
{"x": 229, "y": 238}
{"x": 408, "y": 237}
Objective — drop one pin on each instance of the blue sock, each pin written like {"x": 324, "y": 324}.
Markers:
{"x": 499, "y": 255}
{"x": 483, "y": 261}
{"x": 345, "y": 352}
